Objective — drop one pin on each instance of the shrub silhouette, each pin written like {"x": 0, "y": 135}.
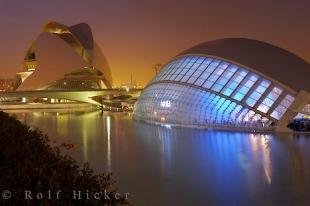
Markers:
{"x": 28, "y": 162}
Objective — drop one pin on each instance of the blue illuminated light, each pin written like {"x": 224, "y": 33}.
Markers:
{"x": 209, "y": 91}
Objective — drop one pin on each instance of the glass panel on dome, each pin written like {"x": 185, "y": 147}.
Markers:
{"x": 282, "y": 107}
{"x": 206, "y": 73}
{"x": 224, "y": 78}
{"x": 245, "y": 86}
{"x": 215, "y": 75}
{"x": 234, "y": 82}
{"x": 258, "y": 92}
{"x": 270, "y": 99}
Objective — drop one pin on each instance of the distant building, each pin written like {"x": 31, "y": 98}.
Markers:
{"x": 234, "y": 82}
{"x": 128, "y": 86}
{"x": 6, "y": 84}
{"x": 64, "y": 58}
{"x": 132, "y": 85}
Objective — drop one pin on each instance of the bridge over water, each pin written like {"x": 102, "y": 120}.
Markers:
{"x": 86, "y": 96}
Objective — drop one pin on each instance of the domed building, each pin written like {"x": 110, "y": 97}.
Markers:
{"x": 64, "y": 58}
{"x": 228, "y": 83}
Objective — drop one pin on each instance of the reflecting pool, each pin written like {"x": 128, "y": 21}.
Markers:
{"x": 174, "y": 166}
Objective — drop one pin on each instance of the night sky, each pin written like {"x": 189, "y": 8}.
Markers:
{"x": 136, "y": 34}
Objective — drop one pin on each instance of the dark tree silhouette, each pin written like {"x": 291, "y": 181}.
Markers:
{"x": 28, "y": 162}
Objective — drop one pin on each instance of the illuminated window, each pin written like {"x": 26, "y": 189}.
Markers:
{"x": 282, "y": 107}
{"x": 224, "y": 78}
{"x": 269, "y": 100}
{"x": 165, "y": 103}
{"x": 245, "y": 87}
{"x": 215, "y": 75}
{"x": 234, "y": 82}
{"x": 211, "y": 67}
{"x": 260, "y": 89}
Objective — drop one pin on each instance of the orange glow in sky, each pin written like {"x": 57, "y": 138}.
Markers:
{"x": 137, "y": 34}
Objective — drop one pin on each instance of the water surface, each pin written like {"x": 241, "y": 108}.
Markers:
{"x": 174, "y": 166}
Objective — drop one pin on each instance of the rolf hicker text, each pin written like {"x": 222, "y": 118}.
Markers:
{"x": 75, "y": 194}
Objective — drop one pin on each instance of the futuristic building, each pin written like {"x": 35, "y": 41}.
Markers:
{"x": 228, "y": 83}
{"x": 64, "y": 58}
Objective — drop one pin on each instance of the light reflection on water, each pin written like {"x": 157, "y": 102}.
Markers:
{"x": 109, "y": 160}
{"x": 174, "y": 166}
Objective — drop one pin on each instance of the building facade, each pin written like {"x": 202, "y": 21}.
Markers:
{"x": 64, "y": 58}
{"x": 228, "y": 83}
